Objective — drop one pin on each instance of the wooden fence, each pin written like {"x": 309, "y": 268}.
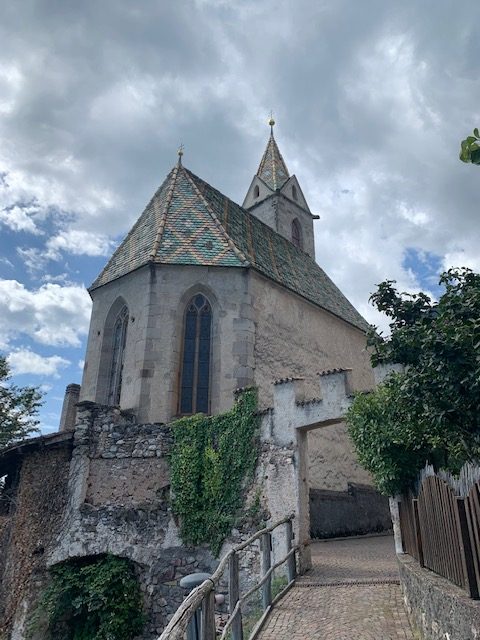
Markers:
{"x": 203, "y": 597}
{"x": 442, "y": 531}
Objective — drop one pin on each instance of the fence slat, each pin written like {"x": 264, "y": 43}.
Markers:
{"x": 470, "y": 580}
{"x": 474, "y": 528}
{"x": 234, "y": 596}
{"x": 291, "y": 564}
{"x": 266, "y": 546}
{"x": 208, "y": 617}
{"x": 405, "y": 512}
{"x": 418, "y": 535}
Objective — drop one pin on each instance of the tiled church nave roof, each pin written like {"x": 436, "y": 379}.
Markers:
{"x": 188, "y": 222}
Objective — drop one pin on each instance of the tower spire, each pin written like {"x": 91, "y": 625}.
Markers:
{"x": 273, "y": 170}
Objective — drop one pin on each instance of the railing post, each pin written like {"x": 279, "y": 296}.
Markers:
{"x": 234, "y": 596}
{"x": 266, "y": 546}
{"x": 291, "y": 563}
{"x": 208, "y": 617}
{"x": 470, "y": 579}
{"x": 418, "y": 535}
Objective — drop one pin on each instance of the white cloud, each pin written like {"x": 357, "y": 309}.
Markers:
{"x": 24, "y": 361}
{"x": 79, "y": 242}
{"x": 6, "y": 262}
{"x": 462, "y": 258}
{"x": 20, "y": 219}
{"x": 52, "y": 314}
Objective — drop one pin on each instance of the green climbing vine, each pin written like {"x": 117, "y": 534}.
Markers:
{"x": 91, "y": 600}
{"x": 212, "y": 459}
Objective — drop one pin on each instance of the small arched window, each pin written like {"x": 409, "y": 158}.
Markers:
{"x": 119, "y": 339}
{"x": 297, "y": 237}
{"x": 195, "y": 375}
{"x": 294, "y": 192}
{"x": 256, "y": 191}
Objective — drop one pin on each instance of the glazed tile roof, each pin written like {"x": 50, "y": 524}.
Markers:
{"x": 189, "y": 222}
{"x": 272, "y": 169}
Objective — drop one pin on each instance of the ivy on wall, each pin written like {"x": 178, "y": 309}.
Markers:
{"x": 91, "y": 600}
{"x": 212, "y": 459}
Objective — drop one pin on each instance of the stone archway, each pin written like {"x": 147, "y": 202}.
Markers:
{"x": 285, "y": 429}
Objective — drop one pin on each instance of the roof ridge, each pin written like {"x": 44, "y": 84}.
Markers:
{"x": 161, "y": 227}
{"x": 214, "y": 217}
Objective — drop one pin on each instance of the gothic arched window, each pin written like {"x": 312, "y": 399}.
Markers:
{"x": 297, "y": 238}
{"x": 294, "y": 192}
{"x": 256, "y": 191}
{"x": 195, "y": 376}
{"x": 119, "y": 338}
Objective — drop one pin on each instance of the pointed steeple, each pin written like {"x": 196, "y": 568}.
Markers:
{"x": 272, "y": 169}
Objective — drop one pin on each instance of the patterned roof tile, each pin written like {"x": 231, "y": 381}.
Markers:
{"x": 189, "y": 222}
{"x": 272, "y": 169}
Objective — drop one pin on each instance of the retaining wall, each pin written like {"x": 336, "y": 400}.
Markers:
{"x": 438, "y": 610}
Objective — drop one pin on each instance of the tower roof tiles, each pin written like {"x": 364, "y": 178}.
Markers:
{"x": 272, "y": 168}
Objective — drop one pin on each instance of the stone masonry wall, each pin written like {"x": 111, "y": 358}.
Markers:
{"x": 35, "y": 519}
{"x": 119, "y": 503}
{"x": 438, "y": 609}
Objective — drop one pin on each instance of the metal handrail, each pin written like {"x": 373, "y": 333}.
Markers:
{"x": 199, "y": 597}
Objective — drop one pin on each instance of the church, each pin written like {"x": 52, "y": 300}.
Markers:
{"x": 203, "y": 298}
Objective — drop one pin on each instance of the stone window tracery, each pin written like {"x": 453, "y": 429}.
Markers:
{"x": 195, "y": 375}
{"x": 297, "y": 236}
{"x": 119, "y": 339}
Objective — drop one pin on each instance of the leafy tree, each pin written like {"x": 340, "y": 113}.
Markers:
{"x": 431, "y": 411}
{"x": 470, "y": 148}
{"x": 18, "y": 408}
{"x": 90, "y": 599}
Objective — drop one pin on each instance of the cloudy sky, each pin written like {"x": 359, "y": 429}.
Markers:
{"x": 371, "y": 99}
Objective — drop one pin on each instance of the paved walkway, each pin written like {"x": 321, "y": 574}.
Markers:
{"x": 351, "y": 593}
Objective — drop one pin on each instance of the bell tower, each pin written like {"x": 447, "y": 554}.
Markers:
{"x": 276, "y": 198}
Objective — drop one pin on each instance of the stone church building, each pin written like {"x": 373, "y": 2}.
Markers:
{"x": 201, "y": 298}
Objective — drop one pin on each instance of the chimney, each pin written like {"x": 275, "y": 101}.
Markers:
{"x": 69, "y": 409}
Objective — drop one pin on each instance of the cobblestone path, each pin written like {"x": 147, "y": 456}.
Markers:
{"x": 351, "y": 593}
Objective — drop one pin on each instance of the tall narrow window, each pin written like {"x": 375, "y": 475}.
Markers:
{"x": 294, "y": 192}
{"x": 297, "y": 238}
{"x": 118, "y": 350}
{"x": 256, "y": 191}
{"x": 195, "y": 385}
